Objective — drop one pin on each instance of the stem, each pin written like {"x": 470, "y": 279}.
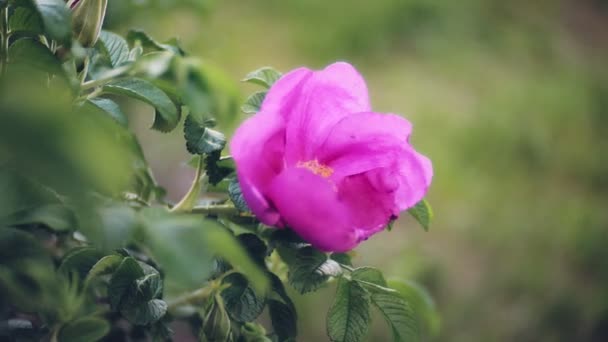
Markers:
{"x": 194, "y": 297}
{"x": 85, "y": 70}
{"x": 5, "y": 35}
{"x": 109, "y": 76}
{"x": 189, "y": 199}
{"x": 222, "y": 209}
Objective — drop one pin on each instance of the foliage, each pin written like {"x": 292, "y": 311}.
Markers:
{"x": 89, "y": 247}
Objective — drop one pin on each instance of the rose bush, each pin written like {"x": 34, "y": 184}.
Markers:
{"x": 353, "y": 170}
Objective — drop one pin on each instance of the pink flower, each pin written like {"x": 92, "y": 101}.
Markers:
{"x": 316, "y": 159}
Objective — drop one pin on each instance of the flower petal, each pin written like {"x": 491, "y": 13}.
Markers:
{"x": 310, "y": 206}
{"x": 325, "y": 98}
{"x": 257, "y": 148}
{"x": 284, "y": 91}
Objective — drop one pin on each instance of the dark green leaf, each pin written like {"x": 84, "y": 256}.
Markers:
{"x": 34, "y": 54}
{"x": 111, "y": 108}
{"x": 200, "y": 139}
{"x": 115, "y": 47}
{"x": 105, "y": 265}
{"x": 218, "y": 167}
{"x": 254, "y": 102}
{"x": 145, "y": 313}
{"x": 56, "y": 19}
{"x": 255, "y": 247}
{"x": 80, "y": 261}
{"x": 124, "y": 276}
{"x": 342, "y": 258}
{"x": 147, "y": 92}
{"x": 349, "y": 317}
{"x": 236, "y": 196}
{"x": 265, "y": 77}
{"x": 54, "y": 216}
{"x": 85, "y": 329}
{"x": 242, "y": 303}
{"x": 423, "y": 213}
{"x": 26, "y": 20}
{"x": 311, "y": 269}
{"x": 282, "y": 311}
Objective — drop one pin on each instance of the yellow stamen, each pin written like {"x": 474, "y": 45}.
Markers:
{"x": 316, "y": 168}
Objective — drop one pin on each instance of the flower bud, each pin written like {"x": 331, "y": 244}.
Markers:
{"x": 216, "y": 327}
{"x": 87, "y": 19}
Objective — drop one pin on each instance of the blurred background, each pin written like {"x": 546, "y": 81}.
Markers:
{"x": 510, "y": 101}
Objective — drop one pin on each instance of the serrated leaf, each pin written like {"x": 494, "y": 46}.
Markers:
{"x": 25, "y": 19}
{"x": 241, "y": 301}
{"x": 236, "y": 196}
{"x": 349, "y": 317}
{"x": 254, "y": 102}
{"x": 145, "y": 313}
{"x": 265, "y": 77}
{"x": 311, "y": 269}
{"x": 394, "y": 308}
{"x": 105, "y": 265}
{"x": 115, "y": 47}
{"x": 56, "y": 19}
{"x": 125, "y": 275}
{"x": 217, "y": 167}
{"x": 85, "y": 329}
{"x": 423, "y": 213}
{"x": 80, "y": 261}
{"x": 200, "y": 139}
{"x": 147, "y": 92}
{"x": 34, "y": 54}
{"x": 111, "y": 108}
{"x": 282, "y": 311}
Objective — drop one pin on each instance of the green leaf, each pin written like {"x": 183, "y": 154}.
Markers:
{"x": 282, "y": 311}
{"x": 217, "y": 167}
{"x": 125, "y": 275}
{"x": 80, "y": 261}
{"x": 115, "y": 47}
{"x": 57, "y": 217}
{"x": 34, "y": 54}
{"x": 105, "y": 265}
{"x": 200, "y": 139}
{"x": 85, "y": 329}
{"x": 423, "y": 213}
{"x": 342, "y": 258}
{"x": 422, "y": 304}
{"x": 311, "y": 269}
{"x": 394, "y": 308}
{"x": 145, "y": 91}
{"x": 56, "y": 18}
{"x": 111, "y": 108}
{"x": 145, "y": 313}
{"x": 348, "y": 318}
{"x": 216, "y": 325}
{"x": 242, "y": 303}
{"x": 138, "y": 37}
{"x": 255, "y": 247}
{"x": 254, "y": 102}
{"x": 26, "y": 20}
{"x": 265, "y": 77}
{"x": 236, "y": 196}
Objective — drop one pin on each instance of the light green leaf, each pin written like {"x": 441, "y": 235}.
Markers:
{"x": 265, "y": 77}
{"x": 254, "y": 102}
{"x": 311, "y": 269}
{"x": 111, "y": 108}
{"x": 348, "y": 318}
{"x": 423, "y": 213}
{"x": 200, "y": 139}
{"x": 85, "y": 329}
{"x": 138, "y": 37}
{"x": 105, "y": 265}
{"x": 422, "y": 304}
{"x": 26, "y": 20}
{"x": 242, "y": 302}
{"x": 115, "y": 46}
{"x": 57, "y": 217}
{"x": 145, "y": 91}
